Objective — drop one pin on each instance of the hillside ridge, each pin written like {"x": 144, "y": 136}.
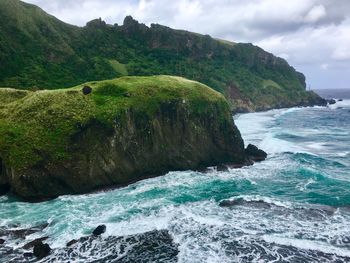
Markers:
{"x": 48, "y": 53}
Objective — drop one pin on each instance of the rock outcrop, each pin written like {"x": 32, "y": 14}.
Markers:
{"x": 99, "y": 230}
{"x": 64, "y": 142}
{"x": 255, "y": 154}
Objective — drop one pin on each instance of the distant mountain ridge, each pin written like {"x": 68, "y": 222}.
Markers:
{"x": 38, "y": 51}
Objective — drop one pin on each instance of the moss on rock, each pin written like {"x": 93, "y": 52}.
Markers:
{"x": 56, "y": 142}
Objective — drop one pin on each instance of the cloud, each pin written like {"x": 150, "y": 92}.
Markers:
{"x": 308, "y": 33}
{"x": 315, "y": 14}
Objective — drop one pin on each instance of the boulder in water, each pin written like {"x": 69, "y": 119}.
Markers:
{"x": 34, "y": 242}
{"x": 72, "y": 242}
{"x": 99, "y": 230}
{"x": 255, "y": 154}
{"x": 41, "y": 250}
{"x": 331, "y": 101}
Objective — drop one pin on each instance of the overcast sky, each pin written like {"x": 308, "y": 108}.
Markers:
{"x": 312, "y": 35}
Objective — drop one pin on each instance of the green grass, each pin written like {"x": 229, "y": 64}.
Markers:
{"x": 119, "y": 67}
{"x": 271, "y": 83}
{"x": 36, "y": 126}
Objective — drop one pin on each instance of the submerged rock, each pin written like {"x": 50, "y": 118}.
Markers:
{"x": 255, "y": 154}
{"x": 242, "y": 202}
{"x": 76, "y": 144}
{"x": 99, "y": 230}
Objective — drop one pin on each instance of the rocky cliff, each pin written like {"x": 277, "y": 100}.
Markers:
{"x": 110, "y": 133}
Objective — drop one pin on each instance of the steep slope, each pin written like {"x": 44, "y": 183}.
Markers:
{"x": 110, "y": 133}
{"x": 40, "y": 51}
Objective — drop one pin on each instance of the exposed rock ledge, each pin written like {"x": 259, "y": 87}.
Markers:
{"x": 123, "y": 130}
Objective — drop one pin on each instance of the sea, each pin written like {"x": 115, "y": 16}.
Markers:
{"x": 292, "y": 207}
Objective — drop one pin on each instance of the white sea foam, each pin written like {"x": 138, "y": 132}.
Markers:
{"x": 340, "y": 104}
{"x": 307, "y": 244}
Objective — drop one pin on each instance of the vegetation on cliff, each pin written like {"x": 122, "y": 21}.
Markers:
{"x": 63, "y": 141}
{"x": 38, "y": 51}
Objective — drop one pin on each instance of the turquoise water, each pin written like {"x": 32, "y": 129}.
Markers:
{"x": 295, "y": 206}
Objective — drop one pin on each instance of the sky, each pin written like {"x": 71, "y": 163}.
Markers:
{"x": 312, "y": 35}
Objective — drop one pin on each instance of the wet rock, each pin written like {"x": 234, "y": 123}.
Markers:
{"x": 86, "y": 90}
{"x": 2, "y": 241}
{"x": 222, "y": 168}
{"x": 28, "y": 254}
{"x": 340, "y": 99}
{"x": 21, "y": 233}
{"x": 331, "y": 101}
{"x": 34, "y": 242}
{"x": 258, "y": 250}
{"x": 240, "y": 201}
{"x": 4, "y": 189}
{"x": 72, "y": 242}
{"x": 99, "y": 230}
{"x": 153, "y": 246}
{"x": 4, "y": 182}
{"x": 41, "y": 250}
{"x": 255, "y": 154}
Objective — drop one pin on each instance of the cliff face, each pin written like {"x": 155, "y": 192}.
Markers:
{"x": 39, "y": 51}
{"x": 64, "y": 142}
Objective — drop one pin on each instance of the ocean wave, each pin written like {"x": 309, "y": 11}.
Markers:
{"x": 340, "y": 104}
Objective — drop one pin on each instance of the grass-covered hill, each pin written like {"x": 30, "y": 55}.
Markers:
{"x": 38, "y": 51}
{"x": 112, "y": 132}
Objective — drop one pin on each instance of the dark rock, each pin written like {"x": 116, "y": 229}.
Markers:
{"x": 2, "y": 241}
{"x": 21, "y": 233}
{"x": 228, "y": 203}
{"x": 153, "y": 246}
{"x": 86, "y": 90}
{"x": 28, "y": 254}
{"x": 331, "y": 101}
{"x": 41, "y": 250}
{"x": 34, "y": 242}
{"x": 255, "y": 154}
{"x": 4, "y": 188}
{"x": 340, "y": 99}
{"x": 4, "y": 182}
{"x": 72, "y": 242}
{"x": 99, "y": 230}
{"x": 96, "y": 23}
{"x": 222, "y": 168}
{"x": 241, "y": 202}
